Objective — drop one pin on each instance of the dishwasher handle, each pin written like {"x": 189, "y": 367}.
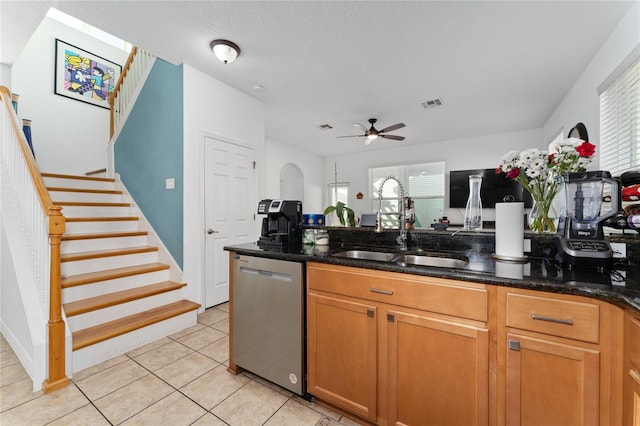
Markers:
{"x": 266, "y": 274}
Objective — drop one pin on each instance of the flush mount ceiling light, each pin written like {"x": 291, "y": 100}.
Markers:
{"x": 225, "y": 50}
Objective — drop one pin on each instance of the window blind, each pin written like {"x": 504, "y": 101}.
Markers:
{"x": 620, "y": 122}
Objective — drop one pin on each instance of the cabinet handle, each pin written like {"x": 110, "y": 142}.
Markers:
{"x": 391, "y": 318}
{"x": 377, "y": 290}
{"x": 514, "y": 345}
{"x": 550, "y": 319}
{"x": 370, "y": 313}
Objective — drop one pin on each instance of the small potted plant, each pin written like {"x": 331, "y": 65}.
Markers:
{"x": 340, "y": 209}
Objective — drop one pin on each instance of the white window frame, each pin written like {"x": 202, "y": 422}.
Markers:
{"x": 390, "y": 196}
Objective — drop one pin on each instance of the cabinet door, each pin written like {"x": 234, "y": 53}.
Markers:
{"x": 438, "y": 371}
{"x": 550, "y": 383}
{"x": 341, "y": 353}
{"x": 634, "y": 390}
{"x": 632, "y": 368}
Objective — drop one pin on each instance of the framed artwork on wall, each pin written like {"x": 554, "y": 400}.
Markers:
{"x": 83, "y": 76}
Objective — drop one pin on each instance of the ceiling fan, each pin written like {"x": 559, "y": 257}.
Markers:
{"x": 373, "y": 133}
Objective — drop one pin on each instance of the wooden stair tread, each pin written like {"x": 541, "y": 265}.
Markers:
{"x": 91, "y": 204}
{"x": 63, "y": 176}
{"x": 84, "y": 190}
{"x": 110, "y": 274}
{"x": 85, "y": 255}
{"x": 111, "y": 329}
{"x": 100, "y": 219}
{"x": 98, "y": 235}
{"x": 111, "y": 299}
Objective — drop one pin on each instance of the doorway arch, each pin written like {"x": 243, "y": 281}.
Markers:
{"x": 291, "y": 182}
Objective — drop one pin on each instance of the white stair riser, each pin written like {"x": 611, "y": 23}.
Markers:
{"x": 85, "y": 291}
{"x": 94, "y": 354}
{"x": 68, "y": 269}
{"x": 78, "y": 183}
{"x": 89, "y": 197}
{"x": 96, "y": 211}
{"x": 111, "y": 313}
{"x": 101, "y": 226}
{"x": 94, "y": 244}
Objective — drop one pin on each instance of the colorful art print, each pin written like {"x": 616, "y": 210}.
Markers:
{"x": 83, "y": 76}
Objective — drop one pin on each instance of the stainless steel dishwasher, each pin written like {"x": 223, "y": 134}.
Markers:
{"x": 268, "y": 320}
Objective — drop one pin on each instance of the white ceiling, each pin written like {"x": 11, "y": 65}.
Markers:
{"x": 497, "y": 66}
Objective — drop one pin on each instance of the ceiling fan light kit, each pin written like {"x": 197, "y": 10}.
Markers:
{"x": 225, "y": 50}
{"x": 372, "y": 133}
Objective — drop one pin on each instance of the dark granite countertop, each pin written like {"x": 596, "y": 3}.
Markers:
{"x": 618, "y": 284}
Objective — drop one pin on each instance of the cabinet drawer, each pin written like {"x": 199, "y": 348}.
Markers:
{"x": 456, "y": 298}
{"x": 563, "y": 318}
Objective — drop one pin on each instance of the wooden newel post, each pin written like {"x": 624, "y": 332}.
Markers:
{"x": 56, "y": 377}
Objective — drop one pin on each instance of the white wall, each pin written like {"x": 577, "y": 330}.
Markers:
{"x": 582, "y": 103}
{"x": 214, "y": 109}
{"x": 481, "y": 152}
{"x": 68, "y": 136}
{"x": 278, "y": 154}
{"x": 5, "y": 75}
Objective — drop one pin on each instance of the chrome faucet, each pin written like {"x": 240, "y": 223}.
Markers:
{"x": 402, "y": 238}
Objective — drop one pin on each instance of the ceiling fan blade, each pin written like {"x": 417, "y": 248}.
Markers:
{"x": 360, "y": 126}
{"x": 351, "y": 136}
{"x": 394, "y": 137}
{"x": 392, "y": 128}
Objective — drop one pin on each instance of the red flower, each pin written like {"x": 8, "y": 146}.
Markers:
{"x": 550, "y": 158}
{"x": 498, "y": 170}
{"x": 513, "y": 173}
{"x": 586, "y": 149}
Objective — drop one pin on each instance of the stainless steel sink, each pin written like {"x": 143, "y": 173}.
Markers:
{"x": 437, "y": 261}
{"x": 406, "y": 259}
{"x": 367, "y": 255}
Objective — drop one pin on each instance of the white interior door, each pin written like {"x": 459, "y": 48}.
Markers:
{"x": 230, "y": 205}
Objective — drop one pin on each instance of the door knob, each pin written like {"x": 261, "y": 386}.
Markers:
{"x": 211, "y": 231}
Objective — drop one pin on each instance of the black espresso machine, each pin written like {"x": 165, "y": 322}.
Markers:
{"x": 283, "y": 224}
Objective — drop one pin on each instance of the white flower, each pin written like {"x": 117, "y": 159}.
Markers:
{"x": 532, "y": 173}
{"x": 573, "y": 141}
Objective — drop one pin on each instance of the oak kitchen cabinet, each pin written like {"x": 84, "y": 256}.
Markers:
{"x": 558, "y": 358}
{"x": 396, "y": 348}
{"x": 632, "y": 370}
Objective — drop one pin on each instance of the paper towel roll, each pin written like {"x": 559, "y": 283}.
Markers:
{"x": 509, "y": 230}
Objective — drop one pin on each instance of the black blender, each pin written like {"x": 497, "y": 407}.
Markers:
{"x": 580, "y": 240}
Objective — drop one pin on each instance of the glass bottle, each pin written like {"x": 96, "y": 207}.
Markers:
{"x": 473, "y": 211}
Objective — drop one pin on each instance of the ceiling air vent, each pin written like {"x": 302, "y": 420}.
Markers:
{"x": 325, "y": 127}
{"x": 431, "y": 103}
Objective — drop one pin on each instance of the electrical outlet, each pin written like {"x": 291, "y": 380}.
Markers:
{"x": 170, "y": 183}
{"x": 527, "y": 245}
{"x": 619, "y": 250}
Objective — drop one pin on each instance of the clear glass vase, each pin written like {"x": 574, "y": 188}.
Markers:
{"x": 543, "y": 217}
{"x": 473, "y": 210}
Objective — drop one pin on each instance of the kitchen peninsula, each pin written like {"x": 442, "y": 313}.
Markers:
{"x": 476, "y": 341}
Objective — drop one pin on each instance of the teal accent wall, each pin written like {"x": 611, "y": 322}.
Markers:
{"x": 149, "y": 151}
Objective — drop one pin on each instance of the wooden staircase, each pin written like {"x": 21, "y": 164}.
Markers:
{"x": 116, "y": 294}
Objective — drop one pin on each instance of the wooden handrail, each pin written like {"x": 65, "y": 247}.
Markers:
{"x": 56, "y": 377}
{"x": 116, "y": 89}
{"x": 43, "y": 194}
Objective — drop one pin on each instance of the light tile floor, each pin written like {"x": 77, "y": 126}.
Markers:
{"x": 177, "y": 380}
